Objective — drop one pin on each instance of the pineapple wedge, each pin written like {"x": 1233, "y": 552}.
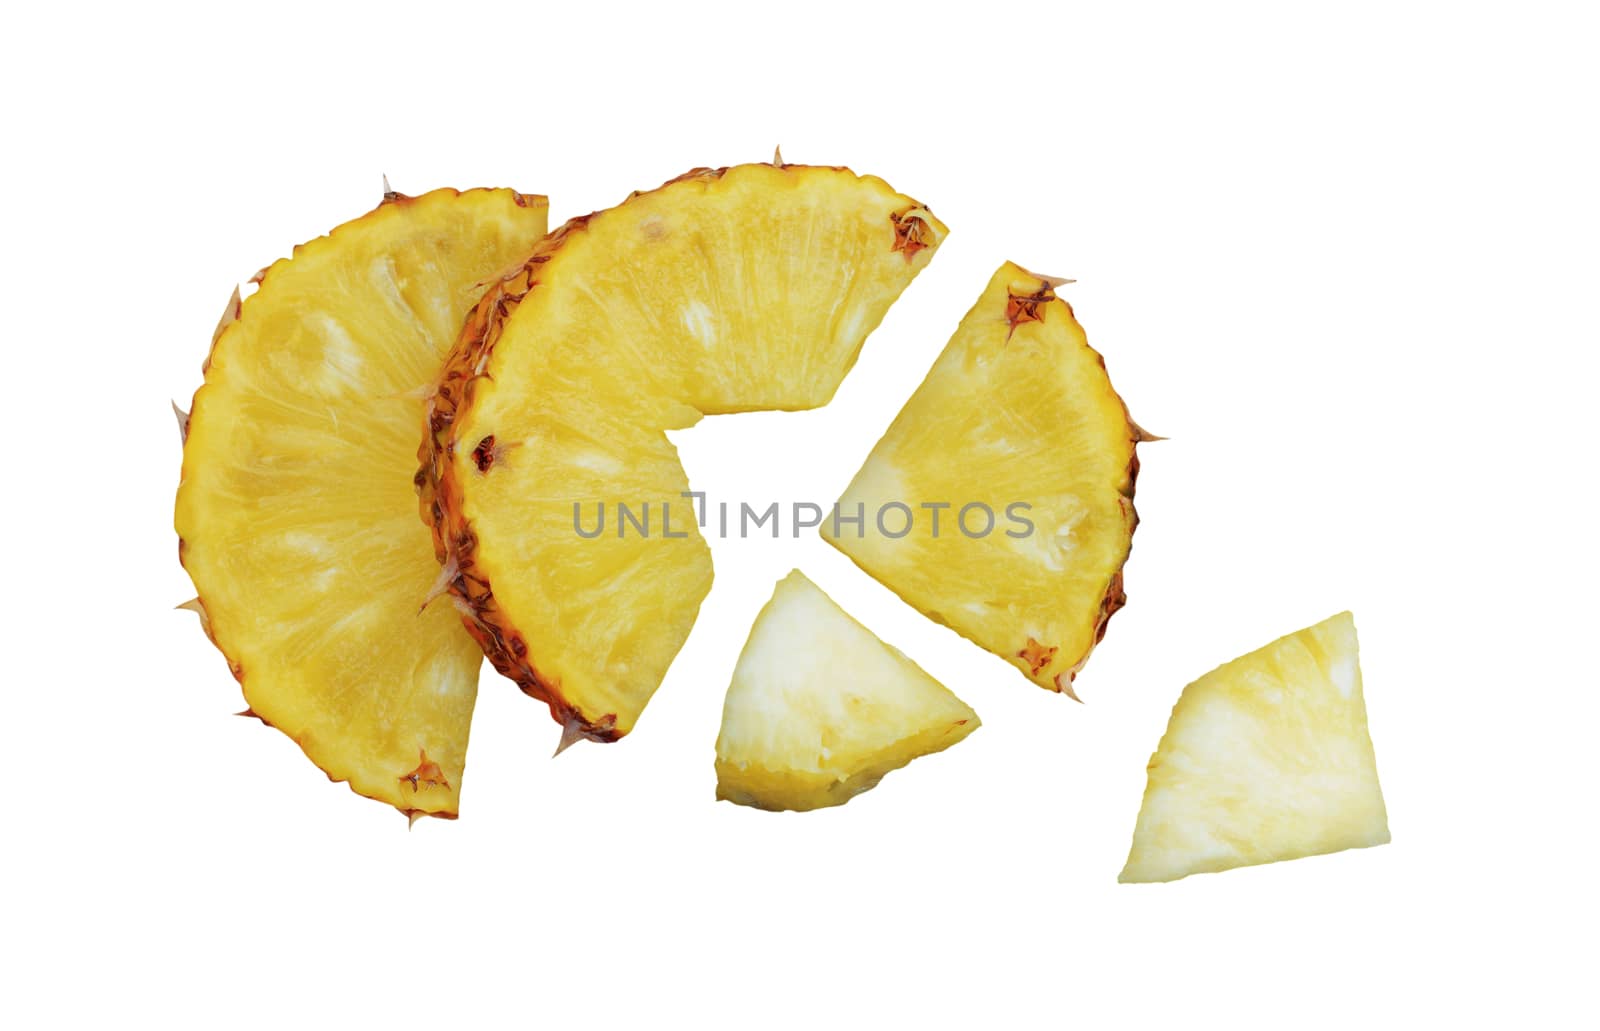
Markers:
{"x": 1266, "y": 758}
{"x": 1000, "y": 501}
{"x": 297, "y": 513}
{"x": 743, "y": 288}
{"x": 820, "y": 709}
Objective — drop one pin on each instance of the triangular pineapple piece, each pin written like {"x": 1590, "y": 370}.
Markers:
{"x": 1000, "y": 501}
{"x": 820, "y": 709}
{"x": 723, "y": 291}
{"x": 297, "y": 510}
{"x": 1266, "y": 758}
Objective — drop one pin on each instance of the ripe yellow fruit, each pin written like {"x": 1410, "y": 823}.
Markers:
{"x": 744, "y": 288}
{"x": 1000, "y": 501}
{"x": 820, "y": 708}
{"x": 297, "y": 513}
{"x": 1266, "y": 758}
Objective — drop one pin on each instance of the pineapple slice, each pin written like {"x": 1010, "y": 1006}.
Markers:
{"x": 820, "y": 709}
{"x": 1266, "y": 758}
{"x": 744, "y": 288}
{"x": 1000, "y": 501}
{"x": 297, "y": 510}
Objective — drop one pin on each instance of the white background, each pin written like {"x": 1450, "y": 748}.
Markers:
{"x": 1346, "y": 260}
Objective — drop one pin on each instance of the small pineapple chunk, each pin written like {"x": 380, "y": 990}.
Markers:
{"x": 1266, "y": 758}
{"x": 820, "y": 709}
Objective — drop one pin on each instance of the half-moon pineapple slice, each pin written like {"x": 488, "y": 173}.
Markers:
{"x": 557, "y": 500}
{"x": 1266, "y": 758}
{"x": 820, "y": 709}
{"x": 1000, "y": 501}
{"x": 297, "y": 511}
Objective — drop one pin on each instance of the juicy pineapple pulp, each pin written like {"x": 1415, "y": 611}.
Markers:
{"x": 1017, "y": 424}
{"x": 820, "y": 709}
{"x": 746, "y": 288}
{"x": 297, "y": 510}
{"x": 1266, "y": 758}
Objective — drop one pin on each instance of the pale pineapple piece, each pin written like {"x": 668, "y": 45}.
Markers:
{"x": 820, "y": 709}
{"x": 297, "y": 510}
{"x": 1000, "y": 501}
{"x": 743, "y": 288}
{"x": 1266, "y": 758}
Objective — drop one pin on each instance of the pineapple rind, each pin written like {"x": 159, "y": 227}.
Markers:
{"x": 1017, "y": 408}
{"x": 1266, "y": 758}
{"x": 668, "y": 362}
{"x": 820, "y": 709}
{"x": 293, "y": 514}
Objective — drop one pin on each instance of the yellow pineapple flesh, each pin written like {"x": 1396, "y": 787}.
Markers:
{"x": 1000, "y": 501}
{"x": 820, "y": 709}
{"x": 1266, "y": 758}
{"x": 297, "y": 509}
{"x": 743, "y": 288}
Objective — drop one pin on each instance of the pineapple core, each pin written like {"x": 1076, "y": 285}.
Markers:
{"x": 1266, "y": 758}
{"x": 820, "y": 709}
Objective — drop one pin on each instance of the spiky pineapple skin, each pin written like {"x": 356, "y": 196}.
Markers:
{"x": 237, "y": 310}
{"x": 441, "y": 491}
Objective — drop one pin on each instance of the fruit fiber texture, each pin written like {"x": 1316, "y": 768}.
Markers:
{"x": 820, "y": 709}
{"x": 725, "y": 290}
{"x": 1013, "y": 465}
{"x": 297, "y": 514}
{"x": 1266, "y": 758}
